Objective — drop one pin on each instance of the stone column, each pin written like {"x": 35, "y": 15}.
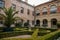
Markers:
{"x": 23, "y": 24}
{"x": 49, "y": 24}
{"x": 41, "y": 23}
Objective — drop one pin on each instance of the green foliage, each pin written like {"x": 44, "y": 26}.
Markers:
{"x": 9, "y": 16}
{"x": 26, "y": 24}
{"x": 1, "y": 29}
{"x": 16, "y": 39}
{"x": 22, "y": 29}
{"x": 16, "y": 33}
{"x": 40, "y": 29}
{"x": 58, "y": 24}
{"x": 35, "y": 34}
{"x": 19, "y": 24}
{"x": 49, "y": 36}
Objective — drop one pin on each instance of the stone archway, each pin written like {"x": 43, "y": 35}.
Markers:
{"x": 53, "y": 23}
{"x": 45, "y": 23}
{"x": 37, "y": 22}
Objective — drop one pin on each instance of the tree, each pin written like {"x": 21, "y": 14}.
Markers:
{"x": 58, "y": 25}
{"x": 9, "y": 16}
{"x": 19, "y": 24}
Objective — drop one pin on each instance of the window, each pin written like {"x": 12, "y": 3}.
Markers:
{"x": 1, "y": 4}
{"x": 28, "y": 12}
{"x": 13, "y": 6}
{"x": 37, "y": 12}
{"x": 44, "y": 11}
{"x": 53, "y": 9}
{"x": 22, "y": 10}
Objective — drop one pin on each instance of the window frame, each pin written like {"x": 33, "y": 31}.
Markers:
{"x": 53, "y": 9}
{"x": 44, "y": 11}
{"x": 2, "y": 2}
{"x": 14, "y": 7}
{"x": 37, "y": 12}
{"x": 22, "y": 10}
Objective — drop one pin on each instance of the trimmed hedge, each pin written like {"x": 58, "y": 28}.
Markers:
{"x": 50, "y": 36}
{"x": 16, "y": 39}
{"x": 51, "y": 29}
{"x": 16, "y": 33}
{"x": 42, "y": 34}
{"x": 1, "y": 29}
{"x": 35, "y": 34}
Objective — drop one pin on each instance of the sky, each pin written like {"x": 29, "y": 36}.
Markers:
{"x": 36, "y": 2}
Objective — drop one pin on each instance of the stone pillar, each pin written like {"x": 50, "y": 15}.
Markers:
{"x": 23, "y": 24}
{"x": 41, "y": 23}
{"x": 30, "y": 23}
{"x": 49, "y": 24}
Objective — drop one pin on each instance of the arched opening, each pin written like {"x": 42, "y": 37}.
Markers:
{"x": 37, "y": 22}
{"x": 45, "y": 23}
{"x": 54, "y": 23}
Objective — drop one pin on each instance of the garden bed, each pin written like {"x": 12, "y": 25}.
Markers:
{"x": 15, "y": 33}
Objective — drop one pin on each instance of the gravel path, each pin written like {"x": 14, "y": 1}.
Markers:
{"x": 22, "y": 36}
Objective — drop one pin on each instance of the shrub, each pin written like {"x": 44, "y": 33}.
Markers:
{"x": 33, "y": 28}
{"x": 16, "y": 39}
{"x": 26, "y": 24}
{"x": 58, "y": 24}
{"x": 19, "y": 24}
{"x": 1, "y": 29}
{"x": 16, "y": 33}
{"x": 35, "y": 34}
{"x": 50, "y": 36}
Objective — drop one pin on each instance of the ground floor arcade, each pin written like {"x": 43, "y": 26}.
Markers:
{"x": 47, "y": 23}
